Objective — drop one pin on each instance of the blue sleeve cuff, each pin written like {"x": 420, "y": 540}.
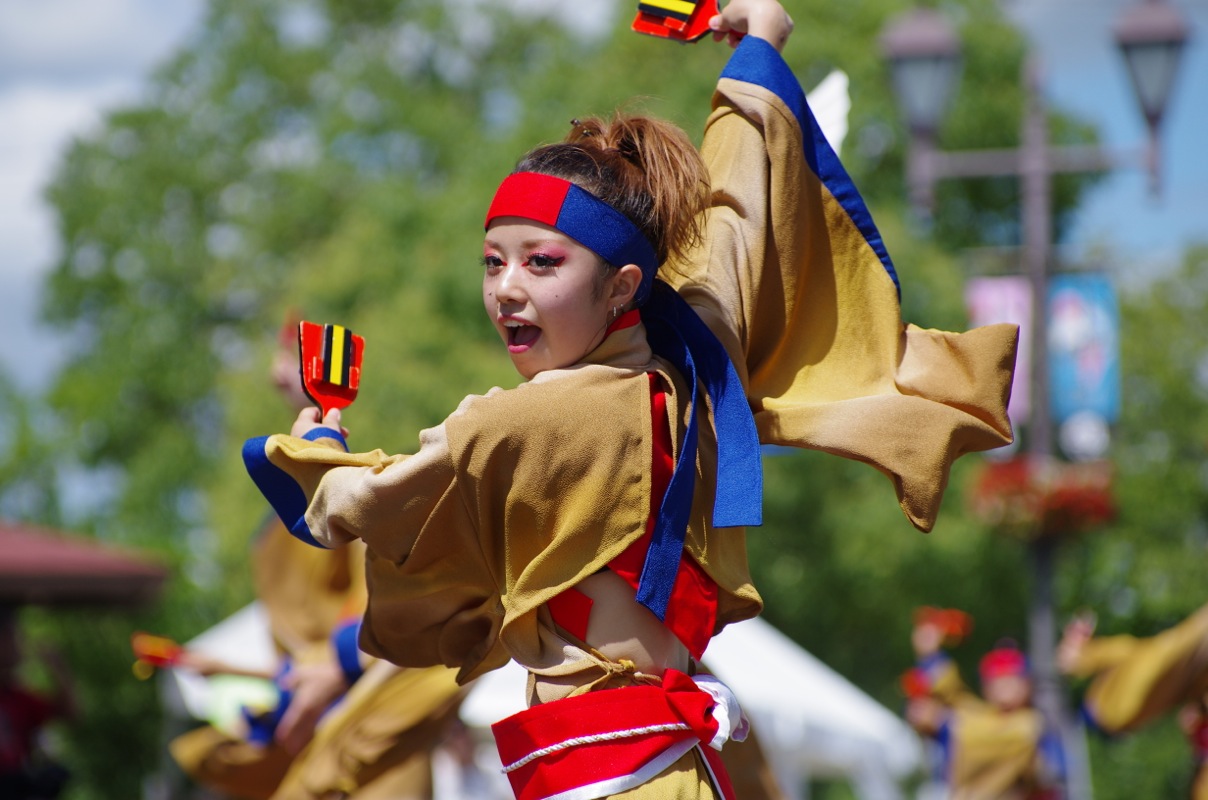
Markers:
{"x": 755, "y": 61}
{"x": 934, "y": 663}
{"x": 349, "y": 654}
{"x": 1087, "y": 715}
{"x": 316, "y": 434}
{"x": 281, "y": 491}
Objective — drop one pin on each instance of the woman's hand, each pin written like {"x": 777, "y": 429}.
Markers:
{"x": 315, "y": 687}
{"x": 308, "y": 420}
{"x": 926, "y": 715}
{"x": 208, "y": 666}
{"x": 765, "y": 19}
{"x": 1078, "y": 631}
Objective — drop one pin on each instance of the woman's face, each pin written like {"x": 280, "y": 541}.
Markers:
{"x": 545, "y": 294}
{"x": 1008, "y": 692}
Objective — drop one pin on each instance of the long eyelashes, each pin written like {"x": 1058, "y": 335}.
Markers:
{"x": 543, "y": 261}
{"x": 537, "y": 260}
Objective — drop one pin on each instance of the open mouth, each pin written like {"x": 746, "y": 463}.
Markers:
{"x": 520, "y": 336}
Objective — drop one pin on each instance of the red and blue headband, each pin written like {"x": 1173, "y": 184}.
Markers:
{"x": 1003, "y": 661}
{"x": 676, "y": 333}
{"x": 580, "y": 215}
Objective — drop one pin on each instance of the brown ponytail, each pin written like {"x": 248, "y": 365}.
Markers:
{"x": 643, "y": 167}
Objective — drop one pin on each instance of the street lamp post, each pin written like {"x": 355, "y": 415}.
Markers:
{"x": 1151, "y": 36}
{"x": 924, "y": 56}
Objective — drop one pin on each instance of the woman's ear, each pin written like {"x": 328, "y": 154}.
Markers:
{"x": 625, "y": 283}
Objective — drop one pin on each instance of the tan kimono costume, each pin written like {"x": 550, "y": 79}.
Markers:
{"x": 521, "y": 494}
{"x": 375, "y": 742}
{"x": 988, "y": 753}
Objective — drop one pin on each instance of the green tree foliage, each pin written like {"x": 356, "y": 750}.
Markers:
{"x": 335, "y": 158}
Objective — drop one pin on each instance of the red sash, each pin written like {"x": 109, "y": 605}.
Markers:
{"x": 605, "y": 742}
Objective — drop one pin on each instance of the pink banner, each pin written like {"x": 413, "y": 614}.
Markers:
{"x": 1007, "y": 299}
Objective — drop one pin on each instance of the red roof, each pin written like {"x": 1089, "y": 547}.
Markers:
{"x": 46, "y": 567}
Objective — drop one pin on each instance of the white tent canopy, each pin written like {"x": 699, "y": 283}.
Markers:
{"x": 241, "y": 640}
{"x": 812, "y": 720}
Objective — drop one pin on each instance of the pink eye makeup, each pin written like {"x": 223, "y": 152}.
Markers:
{"x": 544, "y": 260}
{"x": 536, "y": 260}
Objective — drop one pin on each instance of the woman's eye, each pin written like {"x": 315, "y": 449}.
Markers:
{"x": 492, "y": 262}
{"x": 542, "y": 261}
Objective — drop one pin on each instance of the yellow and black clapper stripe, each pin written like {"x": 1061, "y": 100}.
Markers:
{"x": 337, "y": 355}
{"x": 676, "y": 9}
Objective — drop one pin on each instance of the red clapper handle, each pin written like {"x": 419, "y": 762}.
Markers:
{"x": 158, "y": 651}
{"x": 681, "y": 20}
{"x": 330, "y": 363}
{"x": 152, "y": 651}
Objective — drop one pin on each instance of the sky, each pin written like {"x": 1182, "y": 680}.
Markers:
{"x": 1085, "y": 74}
{"x": 64, "y": 62}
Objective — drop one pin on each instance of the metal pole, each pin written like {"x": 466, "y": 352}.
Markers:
{"x": 1036, "y": 177}
{"x": 1036, "y": 203}
{"x": 920, "y": 170}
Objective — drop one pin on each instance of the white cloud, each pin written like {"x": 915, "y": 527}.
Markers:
{"x": 62, "y": 63}
{"x": 40, "y": 122}
{"x": 31, "y": 354}
{"x": 83, "y": 40}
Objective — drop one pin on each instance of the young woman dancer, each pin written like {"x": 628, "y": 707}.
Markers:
{"x": 588, "y": 523}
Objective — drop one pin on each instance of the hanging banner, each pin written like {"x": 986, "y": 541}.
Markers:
{"x": 1084, "y": 347}
{"x": 1007, "y": 298}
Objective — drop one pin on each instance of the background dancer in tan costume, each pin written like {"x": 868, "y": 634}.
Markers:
{"x": 994, "y": 747}
{"x": 361, "y": 736}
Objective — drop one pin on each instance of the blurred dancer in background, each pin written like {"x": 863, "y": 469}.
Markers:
{"x": 997, "y": 746}
{"x": 344, "y": 723}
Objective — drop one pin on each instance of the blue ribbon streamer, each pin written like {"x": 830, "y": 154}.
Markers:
{"x": 676, "y": 333}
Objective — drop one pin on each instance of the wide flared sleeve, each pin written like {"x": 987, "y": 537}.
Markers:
{"x": 1137, "y": 680}
{"x": 433, "y": 595}
{"x": 794, "y": 279}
